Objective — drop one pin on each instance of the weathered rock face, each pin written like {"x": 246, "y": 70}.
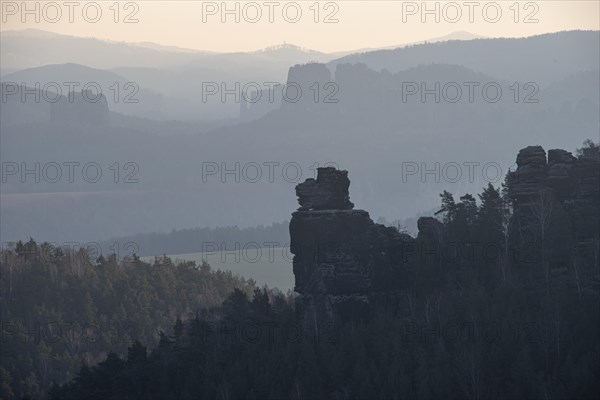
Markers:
{"x": 343, "y": 261}
{"x": 530, "y": 175}
{"x": 301, "y": 94}
{"x": 328, "y": 192}
{"x": 561, "y": 183}
{"x": 559, "y": 170}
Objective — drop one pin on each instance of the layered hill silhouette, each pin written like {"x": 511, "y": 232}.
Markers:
{"x": 370, "y": 121}
{"x": 543, "y": 58}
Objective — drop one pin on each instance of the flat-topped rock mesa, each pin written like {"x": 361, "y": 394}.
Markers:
{"x": 344, "y": 263}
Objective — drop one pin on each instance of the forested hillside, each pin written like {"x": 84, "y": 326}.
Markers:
{"x": 61, "y": 309}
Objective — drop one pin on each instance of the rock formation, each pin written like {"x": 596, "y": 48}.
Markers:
{"x": 328, "y": 192}
{"x": 344, "y": 263}
{"x": 346, "y": 266}
{"x": 307, "y": 87}
{"x": 560, "y": 182}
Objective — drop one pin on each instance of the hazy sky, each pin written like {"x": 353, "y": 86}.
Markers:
{"x": 352, "y": 24}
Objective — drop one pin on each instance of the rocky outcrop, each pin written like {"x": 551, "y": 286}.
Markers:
{"x": 560, "y": 182}
{"x": 346, "y": 266}
{"x": 307, "y": 87}
{"x": 344, "y": 263}
{"x": 530, "y": 175}
{"x": 328, "y": 192}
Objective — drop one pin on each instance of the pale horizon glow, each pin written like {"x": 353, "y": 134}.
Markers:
{"x": 361, "y": 24}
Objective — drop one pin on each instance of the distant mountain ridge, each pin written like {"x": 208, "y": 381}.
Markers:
{"x": 542, "y": 58}
{"x": 33, "y": 47}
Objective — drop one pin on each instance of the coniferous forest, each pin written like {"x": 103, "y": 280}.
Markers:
{"x": 493, "y": 304}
